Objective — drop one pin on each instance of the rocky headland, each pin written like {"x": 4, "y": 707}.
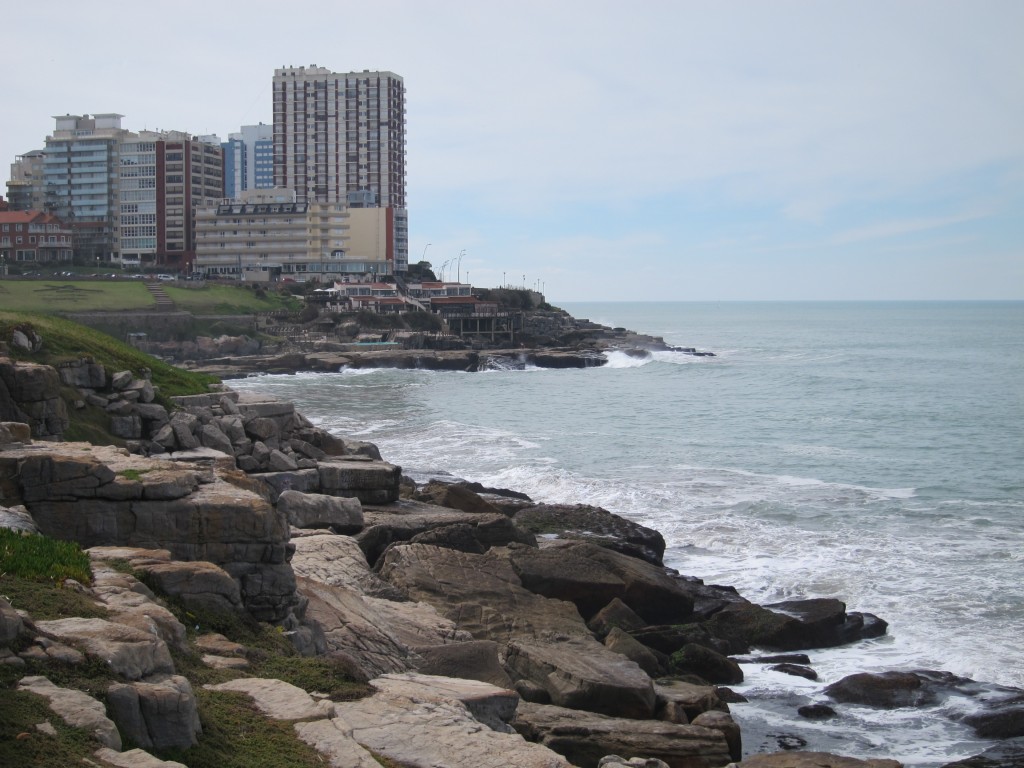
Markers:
{"x": 489, "y": 630}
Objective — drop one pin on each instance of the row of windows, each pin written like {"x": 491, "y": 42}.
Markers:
{"x": 42, "y": 239}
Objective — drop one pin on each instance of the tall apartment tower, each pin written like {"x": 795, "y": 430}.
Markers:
{"x": 80, "y": 176}
{"x": 25, "y": 189}
{"x": 340, "y": 138}
{"x": 249, "y": 160}
{"x": 164, "y": 177}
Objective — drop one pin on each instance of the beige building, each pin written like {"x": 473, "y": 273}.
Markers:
{"x": 266, "y": 235}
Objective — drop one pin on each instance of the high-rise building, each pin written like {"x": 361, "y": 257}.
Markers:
{"x": 164, "y": 177}
{"x": 80, "y": 176}
{"x": 25, "y": 189}
{"x": 249, "y": 159}
{"x": 340, "y": 138}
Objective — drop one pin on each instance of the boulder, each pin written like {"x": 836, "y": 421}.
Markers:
{"x": 76, "y": 708}
{"x": 159, "y": 713}
{"x": 30, "y": 394}
{"x": 471, "y": 660}
{"x": 579, "y": 674}
{"x": 885, "y": 690}
{"x": 338, "y": 561}
{"x": 352, "y": 627}
{"x": 723, "y": 722}
{"x": 198, "y": 585}
{"x": 584, "y": 737}
{"x": 793, "y": 625}
{"x": 649, "y": 660}
{"x": 315, "y": 510}
{"x": 211, "y": 436}
{"x": 17, "y": 519}
{"x": 129, "y": 652}
{"x": 682, "y": 702}
{"x": 615, "y": 615}
{"x": 372, "y": 482}
{"x": 455, "y": 496}
{"x": 481, "y": 593}
{"x": 592, "y": 524}
{"x": 405, "y": 520}
{"x": 705, "y": 663}
{"x": 591, "y": 576}
{"x": 11, "y": 624}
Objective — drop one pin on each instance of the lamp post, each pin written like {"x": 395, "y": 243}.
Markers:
{"x": 458, "y": 266}
{"x": 424, "y": 256}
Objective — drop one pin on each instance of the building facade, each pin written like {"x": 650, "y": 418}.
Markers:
{"x": 340, "y": 138}
{"x": 81, "y": 171}
{"x": 164, "y": 177}
{"x": 249, "y": 160}
{"x": 28, "y": 238}
{"x": 267, "y": 235}
{"x": 25, "y": 189}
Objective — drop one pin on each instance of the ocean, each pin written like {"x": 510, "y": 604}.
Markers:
{"x": 867, "y": 451}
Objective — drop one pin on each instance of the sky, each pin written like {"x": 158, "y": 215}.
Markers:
{"x": 655, "y": 150}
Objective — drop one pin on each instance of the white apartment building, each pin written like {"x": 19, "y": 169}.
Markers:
{"x": 340, "y": 138}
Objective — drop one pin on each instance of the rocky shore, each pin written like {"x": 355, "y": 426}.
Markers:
{"x": 492, "y": 630}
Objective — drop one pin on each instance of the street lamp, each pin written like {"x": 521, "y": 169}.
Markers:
{"x": 458, "y": 267}
{"x": 424, "y": 256}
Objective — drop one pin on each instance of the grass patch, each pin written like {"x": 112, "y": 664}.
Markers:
{"x": 229, "y": 300}
{"x": 24, "y": 746}
{"x": 40, "y": 558}
{"x": 319, "y": 674}
{"x": 133, "y": 474}
{"x": 49, "y": 297}
{"x": 236, "y": 735}
{"x": 64, "y": 340}
{"x": 45, "y": 601}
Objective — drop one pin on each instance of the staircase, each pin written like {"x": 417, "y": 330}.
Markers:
{"x": 163, "y": 301}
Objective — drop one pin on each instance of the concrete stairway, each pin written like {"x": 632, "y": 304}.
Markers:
{"x": 163, "y": 301}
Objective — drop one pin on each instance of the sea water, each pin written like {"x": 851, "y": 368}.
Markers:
{"x": 870, "y": 452}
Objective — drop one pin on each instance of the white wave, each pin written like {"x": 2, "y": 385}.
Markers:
{"x": 619, "y": 359}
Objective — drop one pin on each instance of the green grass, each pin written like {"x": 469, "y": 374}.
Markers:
{"x": 52, "y": 296}
{"x": 64, "y": 340}
{"x": 229, "y": 300}
{"x": 56, "y": 296}
{"x": 24, "y": 746}
{"x": 39, "y": 558}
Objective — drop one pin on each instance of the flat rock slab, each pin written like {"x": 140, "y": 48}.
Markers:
{"x": 134, "y": 758}
{"x": 579, "y": 673}
{"x": 129, "y": 652}
{"x": 77, "y": 709}
{"x": 493, "y": 706}
{"x": 420, "y": 730}
{"x": 584, "y": 737}
{"x": 277, "y": 699}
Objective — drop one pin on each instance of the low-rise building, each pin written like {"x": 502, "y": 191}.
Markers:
{"x": 265, "y": 235}
{"x": 34, "y": 237}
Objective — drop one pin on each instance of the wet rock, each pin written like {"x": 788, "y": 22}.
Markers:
{"x": 816, "y": 711}
{"x": 707, "y": 664}
{"x": 797, "y": 670}
{"x": 886, "y": 690}
{"x": 593, "y": 524}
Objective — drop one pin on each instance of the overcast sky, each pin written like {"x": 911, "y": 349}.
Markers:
{"x": 606, "y": 150}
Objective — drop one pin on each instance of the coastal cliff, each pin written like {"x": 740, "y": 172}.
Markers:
{"x": 489, "y": 629}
